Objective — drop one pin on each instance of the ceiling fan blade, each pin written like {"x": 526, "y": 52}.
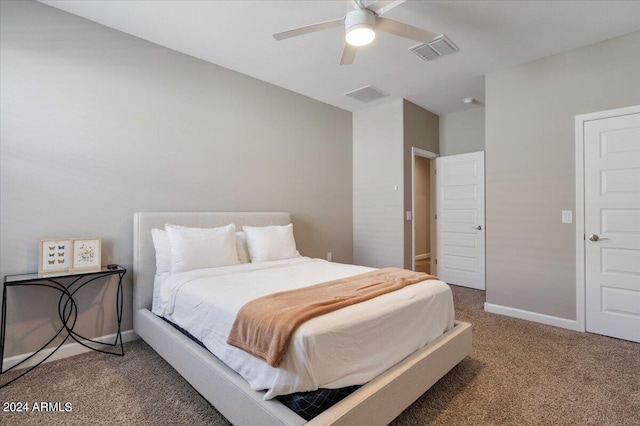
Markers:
{"x": 382, "y": 6}
{"x": 348, "y": 54}
{"x": 404, "y": 30}
{"x": 309, "y": 29}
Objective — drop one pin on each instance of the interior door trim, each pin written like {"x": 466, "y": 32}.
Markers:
{"x": 580, "y": 121}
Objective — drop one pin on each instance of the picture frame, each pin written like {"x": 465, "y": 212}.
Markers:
{"x": 86, "y": 254}
{"x": 54, "y": 255}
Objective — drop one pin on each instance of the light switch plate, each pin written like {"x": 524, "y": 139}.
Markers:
{"x": 567, "y": 216}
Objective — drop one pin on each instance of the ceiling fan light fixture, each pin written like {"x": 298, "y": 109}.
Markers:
{"x": 360, "y": 35}
{"x": 359, "y": 26}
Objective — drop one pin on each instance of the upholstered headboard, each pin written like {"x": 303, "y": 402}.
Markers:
{"x": 144, "y": 255}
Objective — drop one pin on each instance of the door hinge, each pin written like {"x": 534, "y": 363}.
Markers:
{"x": 435, "y": 171}
{"x": 436, "y": 260}
{"x": 436, "y": 216}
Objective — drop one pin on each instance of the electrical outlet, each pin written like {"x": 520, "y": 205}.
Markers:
{"x": 329, "y": 256}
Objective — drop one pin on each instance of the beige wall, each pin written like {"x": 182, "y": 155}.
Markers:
{"x": 462, "y": 132}
{"x": 422, "y": 207}
{"x": 96, "y": 125}
{"x": 530, "y": 173}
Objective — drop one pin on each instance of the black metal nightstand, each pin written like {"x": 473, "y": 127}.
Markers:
{"x": 68, "y": 284}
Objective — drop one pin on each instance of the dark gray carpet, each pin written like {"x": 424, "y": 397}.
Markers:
{"x": 519, "y": 373}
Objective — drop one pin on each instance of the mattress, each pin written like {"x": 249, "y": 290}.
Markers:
{"x": 343, "y": 348}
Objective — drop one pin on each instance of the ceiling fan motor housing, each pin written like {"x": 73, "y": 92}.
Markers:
{"x": 361, "y": 18}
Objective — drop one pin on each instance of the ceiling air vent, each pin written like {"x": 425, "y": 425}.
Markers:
{"x": 367, "y": 94}
{"x": 439, "y": 46}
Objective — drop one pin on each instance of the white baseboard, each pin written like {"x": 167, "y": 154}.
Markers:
{"x": 65, "y": 351}
{"x": 423, "y": 256}
{"x": 531, "y": 316}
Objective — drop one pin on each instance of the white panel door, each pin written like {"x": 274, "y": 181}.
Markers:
{"x": 612, "y": 226}
{"x": 460, "y": 221}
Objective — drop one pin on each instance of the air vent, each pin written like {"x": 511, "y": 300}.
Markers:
{"x": 367, "y": 94}
{"x": 424, "y": 51}
{"x": 439, "y": 46}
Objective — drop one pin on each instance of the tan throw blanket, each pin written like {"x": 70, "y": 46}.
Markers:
{"x": 264, "y": 326}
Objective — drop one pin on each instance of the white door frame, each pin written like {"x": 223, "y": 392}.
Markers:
{"x": 417, "y": 152}
{"x": 581, "y": 322}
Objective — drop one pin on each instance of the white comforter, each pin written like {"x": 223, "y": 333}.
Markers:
{"x": 342, "y": 348}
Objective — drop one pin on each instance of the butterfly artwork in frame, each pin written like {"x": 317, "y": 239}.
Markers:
{"x": 54, "y": 255}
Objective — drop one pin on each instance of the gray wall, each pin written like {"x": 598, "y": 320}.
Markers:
{"x": 421, "y": 130}
{"x": 382, "y": 139}
{"x": 96, "y": 125}
{"x": 462, "y": 132}
{"x": 530, "y": 172}
{"x": 378, "y": 239}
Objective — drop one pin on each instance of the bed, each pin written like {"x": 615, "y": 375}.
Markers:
{"x": 377, "y": 402}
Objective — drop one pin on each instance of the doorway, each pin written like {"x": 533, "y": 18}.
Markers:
{"x": 423, "y": 210}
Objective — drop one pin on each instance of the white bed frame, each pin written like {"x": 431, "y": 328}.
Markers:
{"x": 376, "y": 403}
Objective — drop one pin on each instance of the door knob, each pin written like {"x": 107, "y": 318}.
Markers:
{"x": 479, "y": 227}
{"x": 593, "y": 237}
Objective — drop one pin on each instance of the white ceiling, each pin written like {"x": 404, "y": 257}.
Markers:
{"x": 491, "y": 35}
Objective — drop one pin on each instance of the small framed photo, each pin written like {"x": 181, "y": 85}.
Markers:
{"x": 54, "y": 255}
{"x": 86, "y": 253}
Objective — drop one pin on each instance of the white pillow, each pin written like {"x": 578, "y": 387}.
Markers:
{"x": 163, "y": 250}
{"x": 196, "y": 248}
{"x": 241, "y": 248}
{"x": 270, "y": 242}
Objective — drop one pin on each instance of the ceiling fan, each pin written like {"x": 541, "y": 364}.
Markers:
{"x": 361, "y": 24}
